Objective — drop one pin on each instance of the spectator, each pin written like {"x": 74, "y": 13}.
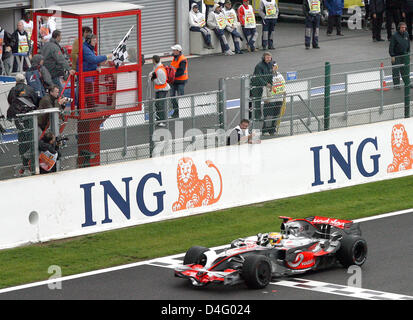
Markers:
{"x": 50, "y": 100}
{"x": 232, "y": 24}
{"x": 197, "y": 2}
{"x": 335, "y": 11}
{"x": 28, "y": 26}
{"x": 377, "y": 8}
{"x": 197, "y": 24}
{"x": 269, "y": 14}
{"x": 54, "y": 59}
{"x": 47, "y": 27}
{"x": 22, "y": 45}
{"x": 38, "y": 77}
{"x": 398, "y": 49}
{"x": 393, "y": 14}
{"x": 408, "y": 15}
{"x": 159, "y": 78}
{"x": 49, "y": 153}
{"x": 6, "y": 44}
{"x": 274, "y": 97}
{"x": 24, "y": 125}
{"x": 209, "y": 4}
{"x": 261, "y": 78}
{"x": 91, "y": 62}
{"x": 240, "y": 134}
{"x": 75, "y": 46}
{"x": 246, "y": 17}
{"x": 180, "y": 65}
{"x": 218, "y": 23}
{"x": 312, "y": 13}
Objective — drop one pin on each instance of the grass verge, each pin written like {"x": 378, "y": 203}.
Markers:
{"x": 107, "y": 249}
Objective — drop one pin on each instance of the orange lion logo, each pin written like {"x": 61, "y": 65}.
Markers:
{"x": 194, "y": 192}
{"x": 402, "y": 150}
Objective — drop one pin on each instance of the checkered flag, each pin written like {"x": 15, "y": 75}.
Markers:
{"x": 120, "y": 53}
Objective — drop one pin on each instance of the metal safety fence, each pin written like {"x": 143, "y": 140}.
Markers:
{"x": 153, "y": 131}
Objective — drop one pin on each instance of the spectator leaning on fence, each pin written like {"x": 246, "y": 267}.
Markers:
{"x": 197, "y": 23}
{"x": 217, "y": 22}
{"x": 50, "y": 100}
{"x": 312, "y": 13}
{"x": 240, "y": 134}
{"x": 159, "y": 78}
{"x": 231, "y": 25}
{"x": 55, "y": 60}
{"x": 246, "y": 17}
{"x": 398, "y": 49}
{"x": 408, "y": 15}
{"x": 269, "y": 14}
{"x": 24, "y": 126}
{"x": 335, "y": 11}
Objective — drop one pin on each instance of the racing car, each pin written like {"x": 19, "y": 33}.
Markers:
{"x": 302, "y": 245}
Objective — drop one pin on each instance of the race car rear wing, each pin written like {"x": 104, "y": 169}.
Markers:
{"x": 338, "y": 223}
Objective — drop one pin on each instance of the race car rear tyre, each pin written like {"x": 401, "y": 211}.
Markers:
{"x": 353, "y": 251}
{"x": 256, "y": 271}
{"x": 195, "y": 255}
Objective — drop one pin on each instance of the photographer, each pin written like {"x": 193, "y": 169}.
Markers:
{"x": 24, "y": 125}
{"x": 49, "y": 152}
{"x": 50, "y": 100}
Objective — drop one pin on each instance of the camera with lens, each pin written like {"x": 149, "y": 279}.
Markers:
{"x": 61, "y": 141}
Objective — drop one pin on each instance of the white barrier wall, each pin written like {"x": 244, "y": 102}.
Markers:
{"x": 83, "y": 201}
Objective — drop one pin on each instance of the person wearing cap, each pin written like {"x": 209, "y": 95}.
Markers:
{"x": 269, "y": 13}
{"x": 197, "y": 23}
{"x": 180, "y": 65}
{"x": 232, "y": 24}
{"x": 273, "y": 96}
{"x": 217, "y": 22}
{"x": 246, "y": 17}
{"x": 159, "y": 78}
{"x": 312, "y": 13}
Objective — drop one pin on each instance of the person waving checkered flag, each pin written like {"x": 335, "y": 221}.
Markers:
{"x": 120, "y": 53}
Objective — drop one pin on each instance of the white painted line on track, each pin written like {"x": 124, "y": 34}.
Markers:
{"x": 166, "y": 259}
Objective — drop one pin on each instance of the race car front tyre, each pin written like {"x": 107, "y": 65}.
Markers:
{"x": 195, "y": 255}
{"x": 353, "y": 251}
{"x": 256, "y": 271}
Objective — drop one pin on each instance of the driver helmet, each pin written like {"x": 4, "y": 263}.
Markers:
{"x": 274, "y": 238}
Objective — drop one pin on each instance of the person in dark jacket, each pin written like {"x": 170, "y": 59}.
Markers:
{"x": 335, "y": 11}
{"x": 7, "y": 42}
{"x": 407, "y": 13}
{"x": 262, "y": 77}
{"x": 377, "y": 8}
{"x": 393, "y": 14}
{"x": 48, "y": 153}
{"x": 55, "y": 60}
{"x": 21, "y": 44}
{"x": 50, "y": 100}
{"x": 91, "y": 62}
{"x": 398, "y": 49}
{"x": 38, "y": 77}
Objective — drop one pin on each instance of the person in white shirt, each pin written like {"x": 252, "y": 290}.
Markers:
{"x": 197, "y": 23}
{"x": 217, "y": 22}
{"x": 47, "y": 26}
{"x": 232, "y": 24}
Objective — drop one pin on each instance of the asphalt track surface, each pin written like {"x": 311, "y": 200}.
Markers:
{"x": 386, "y": 275}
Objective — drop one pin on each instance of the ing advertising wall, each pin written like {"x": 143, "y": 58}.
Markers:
{"x": 83, "y": 201}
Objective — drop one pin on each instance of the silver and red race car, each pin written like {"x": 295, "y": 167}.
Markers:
{"x": 303, "y": 244}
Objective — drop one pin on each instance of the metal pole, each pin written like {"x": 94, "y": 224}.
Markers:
{"x": 244, "y": 99}
{"x": 407, "y": 86}
{"x": 54, "y": 126}
{"x": 222, "y": 103}
{"x": 35, "y": 144}
{"x": 327, "y": 82}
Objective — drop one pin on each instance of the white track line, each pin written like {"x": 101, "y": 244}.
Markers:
{"x": 153, "y": 261}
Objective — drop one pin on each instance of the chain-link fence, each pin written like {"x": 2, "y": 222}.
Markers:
{"x": 198, "y": 123}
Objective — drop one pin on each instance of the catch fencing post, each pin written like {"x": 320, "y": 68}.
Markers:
{"x": 406, "y": 72}
{"x": 327, "y": 82}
